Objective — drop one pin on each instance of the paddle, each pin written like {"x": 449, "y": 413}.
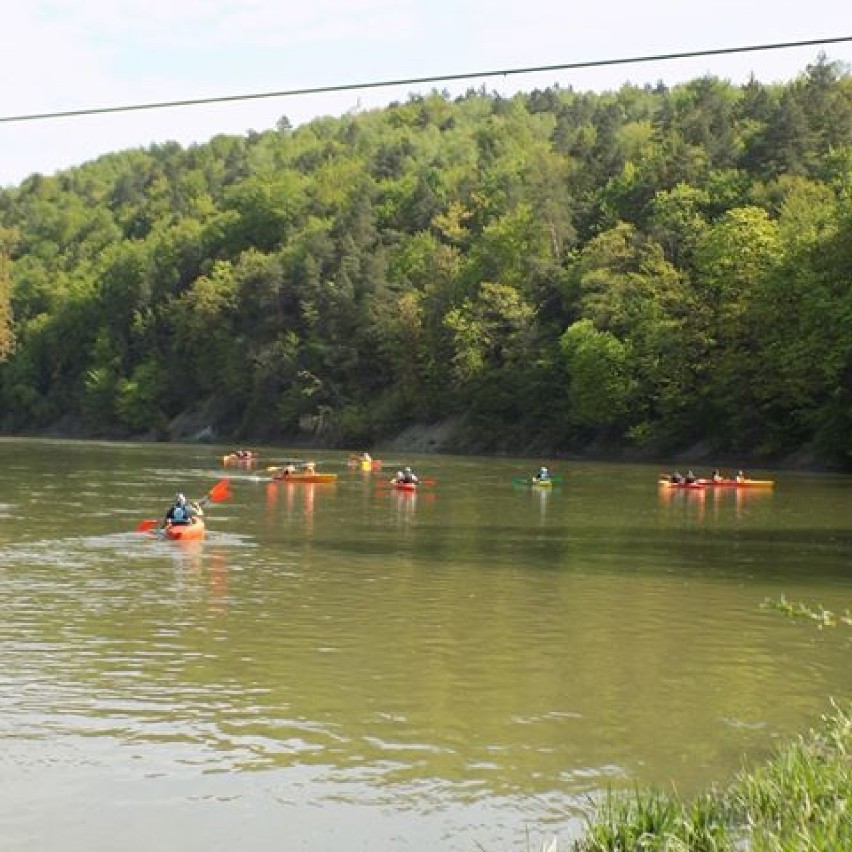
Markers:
{"x": 531, "y": 480}
{"x": 219, "y": 492}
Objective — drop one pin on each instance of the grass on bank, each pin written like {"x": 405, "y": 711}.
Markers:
{"x": 800, "y": 801}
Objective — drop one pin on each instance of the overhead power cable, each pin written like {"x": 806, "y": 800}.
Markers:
{"x": 415, "y": 81}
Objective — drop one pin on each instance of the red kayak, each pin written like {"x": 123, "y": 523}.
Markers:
{"x": 405, "y": 486}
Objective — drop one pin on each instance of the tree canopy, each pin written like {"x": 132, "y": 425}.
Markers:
{"x": 647, "y": 268}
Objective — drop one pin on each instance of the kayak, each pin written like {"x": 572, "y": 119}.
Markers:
{"x": 367, "y": 465}
{"x": 541, "y": 483}
{"x": 667, "y": 483}
{"x": 281, "y": 476}
{"x": 738, "y": 483}
{"x": 404, "y": 486}
{"x": 234, "y": 458}
{"x": 182, "y": 532}
{"x": 533, "y": 482}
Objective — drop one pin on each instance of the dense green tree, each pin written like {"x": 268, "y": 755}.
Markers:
{"x": 649, "y": 265}
{"x": 735, "y": 258}
{"x": 600, "y": 385}
{"x": 7, "y": 330}
{"x": 490, "y": 331}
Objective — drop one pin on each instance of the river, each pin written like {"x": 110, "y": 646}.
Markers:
{"x": 347, "y": 667}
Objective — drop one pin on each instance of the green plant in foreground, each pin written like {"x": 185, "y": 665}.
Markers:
{"x": 655, "y": 822}
{"x": 800, "y": 801}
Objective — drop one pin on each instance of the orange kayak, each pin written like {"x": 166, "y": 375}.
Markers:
{"x": 738, "y": 483}
{"x": 667, "y": 483}
{"x": 182, "y": 532}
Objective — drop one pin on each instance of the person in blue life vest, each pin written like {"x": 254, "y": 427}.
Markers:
{"x": 182, "y": 511}
{"x": 543, "y": 475}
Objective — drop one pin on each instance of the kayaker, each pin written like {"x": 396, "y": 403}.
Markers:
{"x": 543, "y": 475}
{"x": 717, "y": 475}
{"x": 741, "y": 477}
{"x": 407, "y": 476}
{"x": 677, "y": 477}
{"x": 690, "y": 477}
{"x": 182, "y": 511}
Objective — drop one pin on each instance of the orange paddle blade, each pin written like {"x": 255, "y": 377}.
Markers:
{"x": 145, "y": 526}
{"x": 220, "y": 491}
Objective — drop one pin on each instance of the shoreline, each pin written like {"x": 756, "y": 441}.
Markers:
{"x": 439, "y": 438}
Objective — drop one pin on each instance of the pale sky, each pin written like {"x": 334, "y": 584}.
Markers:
{"x": 78, "y": 54}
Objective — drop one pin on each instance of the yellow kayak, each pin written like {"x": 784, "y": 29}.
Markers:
{"x": 283, "y": 476}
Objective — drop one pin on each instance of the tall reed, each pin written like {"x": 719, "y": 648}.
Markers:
{"x": 799, "y": 801}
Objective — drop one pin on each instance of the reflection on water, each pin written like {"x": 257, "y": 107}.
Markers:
{"x": 539, "y": 496}
{"x": 716, "y": 501}
{"x": 442, "y": 669}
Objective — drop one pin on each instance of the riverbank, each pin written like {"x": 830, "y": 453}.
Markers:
{"x": 800, "y": 800}
{"x": 448, "y": 436}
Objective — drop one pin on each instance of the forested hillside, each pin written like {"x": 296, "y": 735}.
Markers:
{"x": 647, "y": 269}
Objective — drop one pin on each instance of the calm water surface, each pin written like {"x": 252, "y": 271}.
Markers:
{"x": 345, "y": 667}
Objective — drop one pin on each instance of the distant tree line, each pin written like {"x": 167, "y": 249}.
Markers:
{"x": 646, "y": 268}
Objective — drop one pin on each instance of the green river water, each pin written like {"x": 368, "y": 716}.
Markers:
{"x": 344, "y": 667}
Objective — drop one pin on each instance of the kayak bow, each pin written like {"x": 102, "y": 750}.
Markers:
{"x": 182, "y": 532}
